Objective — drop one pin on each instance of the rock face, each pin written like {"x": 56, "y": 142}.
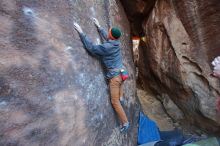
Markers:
{"x": 137, "y": 11}
{"x": 181, "y": 38}
{"x": 52, "y": 92}
{"x": 154, "y": 110}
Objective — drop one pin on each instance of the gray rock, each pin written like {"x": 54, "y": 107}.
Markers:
{"x": 52, "y": 92}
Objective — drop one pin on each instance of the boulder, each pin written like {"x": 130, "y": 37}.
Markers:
{"x": 52, "y": 92}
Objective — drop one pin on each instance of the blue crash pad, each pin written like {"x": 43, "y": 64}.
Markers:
{"x": 148, "y": 130}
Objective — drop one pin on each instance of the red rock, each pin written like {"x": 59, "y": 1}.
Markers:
{"x": 181, "y": 40}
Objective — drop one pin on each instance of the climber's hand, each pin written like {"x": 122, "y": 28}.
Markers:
{"x": 96, "y": 22}
{"x": 77, "y": 27}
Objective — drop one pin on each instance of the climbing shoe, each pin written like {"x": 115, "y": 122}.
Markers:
{"x": 124, "y": 127}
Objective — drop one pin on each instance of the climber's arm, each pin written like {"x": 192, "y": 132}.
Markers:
{"x": 102, "y": 32}
{"x": 88, "y": 44}
{"x": 92, "y": 48}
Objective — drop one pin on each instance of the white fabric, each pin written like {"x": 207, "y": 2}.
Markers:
{"x": 216, "y": 61}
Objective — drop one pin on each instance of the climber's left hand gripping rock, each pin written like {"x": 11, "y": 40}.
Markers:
{"x": 77, "y": 27}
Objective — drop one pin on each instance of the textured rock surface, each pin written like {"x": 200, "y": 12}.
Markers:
{"x": 154, "y": 110}
{"x": 51, "y": 91}
{"x": 182, "y": 36}
{"x": 137, "y": 11}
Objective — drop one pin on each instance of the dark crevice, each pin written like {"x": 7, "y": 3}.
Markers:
{"x": 193, "y": 63}
{"x": 137, "y": 12}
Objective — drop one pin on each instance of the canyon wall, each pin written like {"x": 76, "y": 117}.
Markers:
{"x": 180, "y": 39}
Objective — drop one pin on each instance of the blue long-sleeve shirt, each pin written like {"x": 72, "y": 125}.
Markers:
{"x": 109, "y": 52}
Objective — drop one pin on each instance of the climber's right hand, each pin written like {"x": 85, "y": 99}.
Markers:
{"x": 77, "y": 27}
{"x": 96, "y": 22}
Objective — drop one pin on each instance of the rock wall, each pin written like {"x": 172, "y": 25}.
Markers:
{"x": 52, "y": 92}
{"x": 181, "y": 38}
{"x": 137, "y": 11}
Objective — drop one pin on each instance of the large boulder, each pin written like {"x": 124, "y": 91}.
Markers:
{"x": 181, "y": 39}
{"x": 52, "y": 92}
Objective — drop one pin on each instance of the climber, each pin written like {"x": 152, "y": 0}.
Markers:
{"x": 110, "y": 55}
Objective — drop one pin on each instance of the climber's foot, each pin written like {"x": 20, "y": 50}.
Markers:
{"x": 124, "y": 127}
